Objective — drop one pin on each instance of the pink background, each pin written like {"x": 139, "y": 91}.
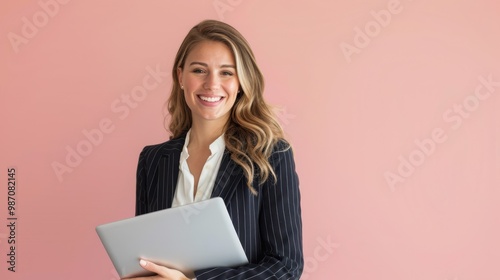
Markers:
{"x": 357, "y": 98}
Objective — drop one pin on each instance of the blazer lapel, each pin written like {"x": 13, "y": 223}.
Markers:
{"x": 227, "y": 179}
{"x": 226, "y": 182}
{"x": 168, "y": 170}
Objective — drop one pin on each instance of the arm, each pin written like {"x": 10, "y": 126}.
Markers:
{"x": 280, "y": 229}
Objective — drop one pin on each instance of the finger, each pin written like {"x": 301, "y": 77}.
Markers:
{"x": 162, "y": 271}
{"x": 150, "y": 266}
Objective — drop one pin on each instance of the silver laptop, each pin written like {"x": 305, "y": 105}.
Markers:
{"x": 187, "y": 238}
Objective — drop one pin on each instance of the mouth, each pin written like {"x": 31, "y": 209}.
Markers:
{"x": 210, "y": 99}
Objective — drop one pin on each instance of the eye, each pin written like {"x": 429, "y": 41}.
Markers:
{"x": 227, "y": 73}
{"x": 198, "y": 71}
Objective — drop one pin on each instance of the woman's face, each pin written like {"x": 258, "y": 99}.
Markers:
{"x": 210, "y": 82}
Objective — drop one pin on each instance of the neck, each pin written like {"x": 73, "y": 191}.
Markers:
{"x": 202, "y": 135}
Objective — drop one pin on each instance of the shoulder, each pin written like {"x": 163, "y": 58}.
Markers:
{"x": 281, "y": 150}
{"x": 171, "y": 146}
{"x": 282, "y": 146}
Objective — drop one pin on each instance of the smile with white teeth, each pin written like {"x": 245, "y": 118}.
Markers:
{"x": 210, "y": 99}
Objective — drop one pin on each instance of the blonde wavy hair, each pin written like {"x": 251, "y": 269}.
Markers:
{"x": 252, "y": 130}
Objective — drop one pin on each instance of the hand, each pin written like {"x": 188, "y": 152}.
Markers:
{"x": 164, "y": 273}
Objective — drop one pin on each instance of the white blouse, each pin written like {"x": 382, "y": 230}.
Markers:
{"x": 185, "y": 183}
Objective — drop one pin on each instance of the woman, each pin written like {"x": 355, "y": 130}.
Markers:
{"x": 226, "y": 143}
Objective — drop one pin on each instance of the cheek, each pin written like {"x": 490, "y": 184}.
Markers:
{"x": 234, "y": 87}
{"x": 188, "y": 84}
{"x": 190, "y": 81}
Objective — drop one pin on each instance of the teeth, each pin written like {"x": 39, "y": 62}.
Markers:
{"x": 210, "y": 99}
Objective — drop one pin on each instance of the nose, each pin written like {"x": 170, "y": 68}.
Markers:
{"x": 212, "y": 82}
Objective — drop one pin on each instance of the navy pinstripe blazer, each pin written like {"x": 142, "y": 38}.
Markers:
{"x": 269, "y": 225}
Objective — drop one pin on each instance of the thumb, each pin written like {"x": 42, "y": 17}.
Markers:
{"x": 150, "y": 266}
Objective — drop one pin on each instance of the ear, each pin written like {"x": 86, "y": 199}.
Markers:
{"x": 179, "y": 75}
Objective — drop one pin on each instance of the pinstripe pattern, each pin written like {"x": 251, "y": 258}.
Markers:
{"x": 268, "y": 225}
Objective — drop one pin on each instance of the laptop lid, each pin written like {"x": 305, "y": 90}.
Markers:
{"x": 187, "y": 238}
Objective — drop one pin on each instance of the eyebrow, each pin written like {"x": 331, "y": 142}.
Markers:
{"x": 206, "y": 65}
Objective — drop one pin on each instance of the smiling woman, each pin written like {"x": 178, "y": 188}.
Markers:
{"x": 210, "y": 83}
{"x": 227, "y": 143}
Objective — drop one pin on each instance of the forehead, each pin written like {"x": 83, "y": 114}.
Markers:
{"x": 210, "y": 52}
